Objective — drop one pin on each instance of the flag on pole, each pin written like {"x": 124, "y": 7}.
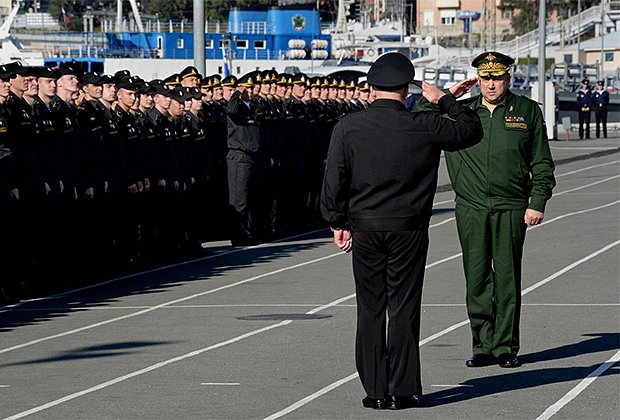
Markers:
{"x": 65, "y": 17}
{"x": 225, "y": 70}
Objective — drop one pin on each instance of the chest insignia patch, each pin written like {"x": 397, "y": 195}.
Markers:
{"x": 515, "y": 122}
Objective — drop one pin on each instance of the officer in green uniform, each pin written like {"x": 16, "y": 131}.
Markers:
{"x": 502, "y": 185}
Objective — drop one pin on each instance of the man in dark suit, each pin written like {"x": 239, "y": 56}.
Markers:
{"x": 379, "y": 205}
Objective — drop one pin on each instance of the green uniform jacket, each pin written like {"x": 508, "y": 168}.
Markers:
{"x": 511, "y": 168}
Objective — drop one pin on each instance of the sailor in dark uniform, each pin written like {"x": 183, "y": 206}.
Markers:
{"x": 379, "y": 205}
{"x": 584, "y": 102}
{"x": 600, "y": 102}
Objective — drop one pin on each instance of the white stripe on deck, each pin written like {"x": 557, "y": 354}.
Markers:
{"x": 349, "y": 378}
{"x": 549, "y": 412}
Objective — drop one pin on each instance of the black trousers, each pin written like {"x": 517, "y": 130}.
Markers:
{"x": 389, "y": 272}
{"x": 600, "y": 114}
{"x": 584, "y": 120}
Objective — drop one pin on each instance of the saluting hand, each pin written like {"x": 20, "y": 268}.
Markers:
{"x": 14, "y": 194}
{"x": 463, "y": 87}
{"x": 432, "y": 93}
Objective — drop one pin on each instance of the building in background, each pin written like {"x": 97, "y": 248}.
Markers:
{"x": 438, "y": 18}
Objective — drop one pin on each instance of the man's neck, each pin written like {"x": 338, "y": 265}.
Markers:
{"x": 17, "y": 93}
{"x": 65, "y": 95}
{"x": 105, "y": 103}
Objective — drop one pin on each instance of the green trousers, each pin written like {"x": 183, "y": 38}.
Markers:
{"x": 492, "y": 243}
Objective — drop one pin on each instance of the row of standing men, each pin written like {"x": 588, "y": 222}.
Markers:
{"x": 101, "y": 174}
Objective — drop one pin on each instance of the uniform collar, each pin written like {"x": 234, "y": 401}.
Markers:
{"x": 387, "y": 103}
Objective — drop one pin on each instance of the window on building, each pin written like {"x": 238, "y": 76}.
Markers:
{"x": 448, "y": 17}
{"x": 568, "y": 58}
{"x": 507, "y": 13}
{"x": 609, "y": 56}
{"x": 242, "y": 43}
{"x": 259, "y": 44}
{"x": 209, "y": 44}
{"x": 180, "y": 43}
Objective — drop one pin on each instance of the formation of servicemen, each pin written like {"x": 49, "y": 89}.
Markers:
{"x": 108, "y": 173}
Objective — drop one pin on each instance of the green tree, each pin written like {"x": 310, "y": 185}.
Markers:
{"x": 526, "y": 18}
{"x": 168, "y": 9}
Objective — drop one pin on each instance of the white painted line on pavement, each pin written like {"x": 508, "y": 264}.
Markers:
{"x": 221, "y": 383}
{"x": 292, "y": 305}
{"x": 167, "y": 362}
{"x": 311, "y": 397}
{"x": 4, "y": 386}
{"x": 587, "y": 168}
{"x": 584, "y": 148}
{"x": 156, "y": 269}
{"x": 349, "y": 378}
{"x": 552, "y": 410}
{"x": 586, "y": 186}
{"x": 162, "y": 305}
{"x": 568, "y": 268}
{"x": 453, "y": 386}
{"x": 143, "y": 371}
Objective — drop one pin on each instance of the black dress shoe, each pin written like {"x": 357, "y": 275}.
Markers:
{"x": 402, "y": 402}
{"x": 480, "y": 360}
{"x": 376, "y": 403}
{"x": 508, "y": 360}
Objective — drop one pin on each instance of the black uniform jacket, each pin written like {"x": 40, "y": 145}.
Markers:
{"x": 382, "y": 164}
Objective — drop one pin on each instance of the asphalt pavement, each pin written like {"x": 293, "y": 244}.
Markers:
{"x": 268, "y": 331}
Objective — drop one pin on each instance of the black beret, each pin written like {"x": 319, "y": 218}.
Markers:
{"x": 128, "y": 83}
{"x": 15, "y": 68}
{"x": 47, "y": 73}
{"x": 492, "y": 63}
{"x": 145, "y": 87}
{"x": 71, "y": 68}
{"x": 190, "y": 71}
{"x": 4, "y": 74}
{"x": 391, "y": 70}
{"x": 106, "y": 79}
{"x": 92, "y": 78}
{"x": 194, "y": 93}
{"x": 585, "y": 82}
{"x": 179, "y": 95}
{"x": 160, "y": 89}
{"x": 122, "y": 74}
{"x": 600, "y": 83}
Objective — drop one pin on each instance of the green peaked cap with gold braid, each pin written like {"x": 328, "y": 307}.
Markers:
{"x": 492, "y": 63}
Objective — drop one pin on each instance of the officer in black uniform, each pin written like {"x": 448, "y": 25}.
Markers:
{"x": 379, "y": 205}
{"x": 244, "y": 149}
{"x": 9, "y": 195}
